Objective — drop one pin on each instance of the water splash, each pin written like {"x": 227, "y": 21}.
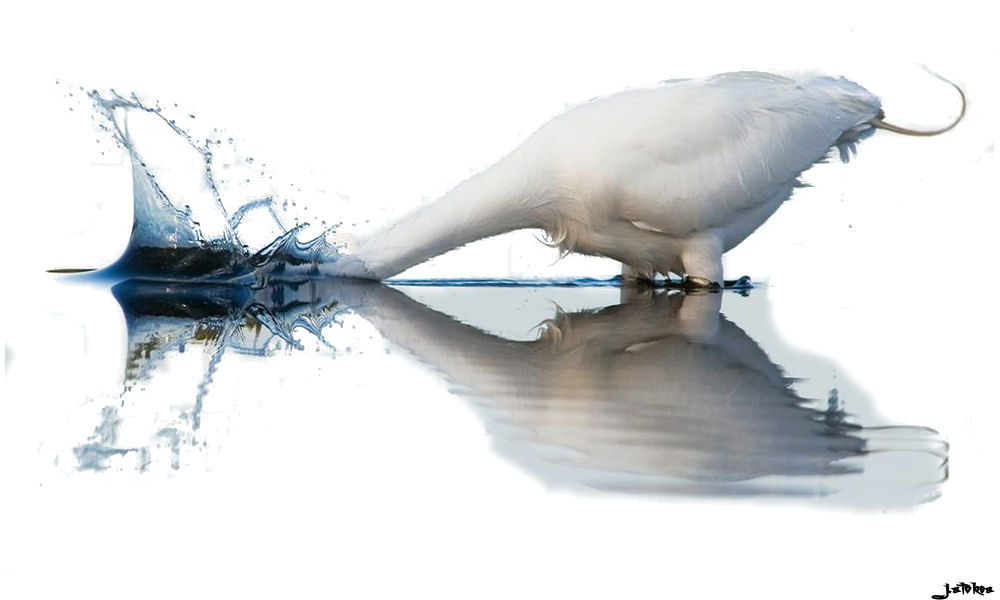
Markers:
{"x": 186, "y": 224}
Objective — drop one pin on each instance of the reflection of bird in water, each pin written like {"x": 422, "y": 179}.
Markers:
{"x": 659, "y": 393}
{"x": 663, "y": 180}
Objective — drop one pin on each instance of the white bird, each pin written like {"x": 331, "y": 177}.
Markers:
{"x": 663, "y": 180}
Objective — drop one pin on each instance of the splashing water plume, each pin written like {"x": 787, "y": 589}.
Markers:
{"x": 185, "y": 224}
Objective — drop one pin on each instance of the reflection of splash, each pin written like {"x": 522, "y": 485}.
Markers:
{"x": 167, "y": 320}
{"x": 659, "y": 394}
{"x": 103, "y": 445}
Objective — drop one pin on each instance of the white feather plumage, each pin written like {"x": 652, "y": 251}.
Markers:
{"x": 664, "y": 179}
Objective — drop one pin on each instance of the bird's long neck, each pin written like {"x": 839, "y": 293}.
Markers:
{"x": 503, "y": 198}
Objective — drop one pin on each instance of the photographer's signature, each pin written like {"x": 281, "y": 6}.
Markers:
{"x": 964, "y": 588}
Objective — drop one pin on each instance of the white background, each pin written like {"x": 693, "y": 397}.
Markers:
{"x": 885, "y": 266}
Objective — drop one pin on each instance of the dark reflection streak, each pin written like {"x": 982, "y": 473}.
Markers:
{"x": 658, "y": 394}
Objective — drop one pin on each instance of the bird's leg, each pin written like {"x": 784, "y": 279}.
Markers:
{"x": 633, "y": 275}
{"x": 634, "y": 280}
{"x": 702, "y": 260}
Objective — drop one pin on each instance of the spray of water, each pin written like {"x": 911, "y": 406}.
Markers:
{"x": 184, "y": 225}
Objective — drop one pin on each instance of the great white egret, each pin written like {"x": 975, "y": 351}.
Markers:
{"x": 663, "y": 180}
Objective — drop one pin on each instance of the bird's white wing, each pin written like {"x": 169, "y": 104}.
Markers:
{"x": 693, "y": 155}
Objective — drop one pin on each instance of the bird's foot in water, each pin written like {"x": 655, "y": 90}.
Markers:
{"x": 633, "y": 276}
{"x": 701, "y": 283}
{"x": 743, "y": 283}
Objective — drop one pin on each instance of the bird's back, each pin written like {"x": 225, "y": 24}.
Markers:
{"x": 692, "y": 154}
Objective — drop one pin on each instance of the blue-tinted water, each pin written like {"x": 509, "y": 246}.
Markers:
{"x": 187, "y": 224}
